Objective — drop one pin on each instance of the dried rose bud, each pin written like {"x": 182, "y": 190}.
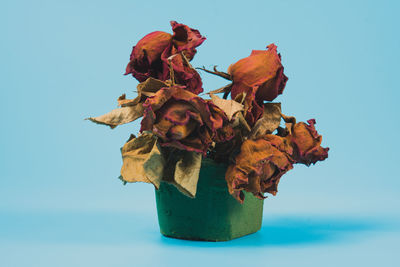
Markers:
{"x": 183, "y": 120}
{"x": 260, "y": 74}
{"x": 306, "y": 143}
{"x": 259, "y": 166}
{"x": 151, "y": 56}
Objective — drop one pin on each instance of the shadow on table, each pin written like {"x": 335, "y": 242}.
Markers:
{"x": 296, "y": 230}
{"x": 109, "y": 228}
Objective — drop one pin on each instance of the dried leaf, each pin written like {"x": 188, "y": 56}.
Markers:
{"x": 120, "y": 116}
{"x": 142, "y": 160}
{"x": 269, "y": 122}
{"x": 224, "y": 89}
{"x": 144, "y": 89}
{"x": 187, "y": 171}
{"x": 182, "y": 170}
{"x": 230, "y": 107}
{"x": 151, "y": 85}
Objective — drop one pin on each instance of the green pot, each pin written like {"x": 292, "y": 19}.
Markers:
{"x": 214, "y": 215}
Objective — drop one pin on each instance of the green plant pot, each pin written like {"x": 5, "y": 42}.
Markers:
{"x": 214, "y": 215}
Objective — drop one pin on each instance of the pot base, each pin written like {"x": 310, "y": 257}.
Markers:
{"x": 214, "y": 215}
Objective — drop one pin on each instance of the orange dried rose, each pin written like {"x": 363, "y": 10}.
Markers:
{"x": 259, "y": 166}
{"x": 152, "y": 54}
{"x": 306, "y": 143}
{"x": 184, "y": 121}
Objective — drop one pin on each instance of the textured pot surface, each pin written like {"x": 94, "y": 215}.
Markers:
{"x": 214, "y": 215}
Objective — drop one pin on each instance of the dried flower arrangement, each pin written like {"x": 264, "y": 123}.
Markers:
{"x": 179, "y": 128}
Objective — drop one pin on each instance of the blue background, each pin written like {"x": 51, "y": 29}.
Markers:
{"x": 61, "y": 203}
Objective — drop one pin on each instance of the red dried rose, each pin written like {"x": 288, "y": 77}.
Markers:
{"x": 306, "y": 143}
{"x": 260, "y": 76}
{"x": 259, "y": 166}
{"x": 150, "y": 57}
{"x": 185, "y": 121}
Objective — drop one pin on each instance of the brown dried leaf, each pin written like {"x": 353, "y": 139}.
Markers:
{"x": 151, "y": 85}
{"x": 224, "y": 89}
{"x": 182, "y": 170}
{"x": 269, "y": 122}
{"x": 142, "y": 160}
{"x": 288, "y": 119}
{"x": 230, "y": 107}
{"x": 120, "y": 116}
{"x": 144, "y": 89}
{"x": 123, "y": 102}
{"x": 187, "y": 171}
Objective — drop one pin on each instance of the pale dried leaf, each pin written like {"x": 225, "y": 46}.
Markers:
{"x": 120, "y": 116}
{"x": 142, "y": 160}
{"x": 230, "y": 107}
{"x": 269, "y": 122}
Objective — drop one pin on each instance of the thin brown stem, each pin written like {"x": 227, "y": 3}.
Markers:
{"x": 218, "y": 73}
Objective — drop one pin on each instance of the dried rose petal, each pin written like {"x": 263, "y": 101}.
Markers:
{"x": 259, "y": 166}
{"x": 186, "y": 39}
{"x": 306, "y": 143}
{"x": 184, "y": 121}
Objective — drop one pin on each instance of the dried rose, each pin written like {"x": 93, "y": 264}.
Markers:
{"x": 145, "y": 59}
{"x": 183, "y": 120}
{"x": 152, "y": 55}
{"x": 259, "y": 166}
{"x": 260, "y": 76}
{"x": 306, "y": 143}
{"x": 263, "y": 71}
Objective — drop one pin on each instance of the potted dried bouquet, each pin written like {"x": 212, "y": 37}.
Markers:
{"x": 211, "y": 160}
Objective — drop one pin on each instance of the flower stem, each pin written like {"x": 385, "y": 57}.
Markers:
{"x": 218, "y": 73}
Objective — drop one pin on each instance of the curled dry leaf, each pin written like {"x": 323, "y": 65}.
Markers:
{"x": 142, "y": 160}
{"x": 229, "y": 107}
{"x": 120, "y": 116}
{"x": 225, "y": 89}
{"x": 182, "y": 170}
{"x": 144, "y": 89}
{"x": 269, "y": 121}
